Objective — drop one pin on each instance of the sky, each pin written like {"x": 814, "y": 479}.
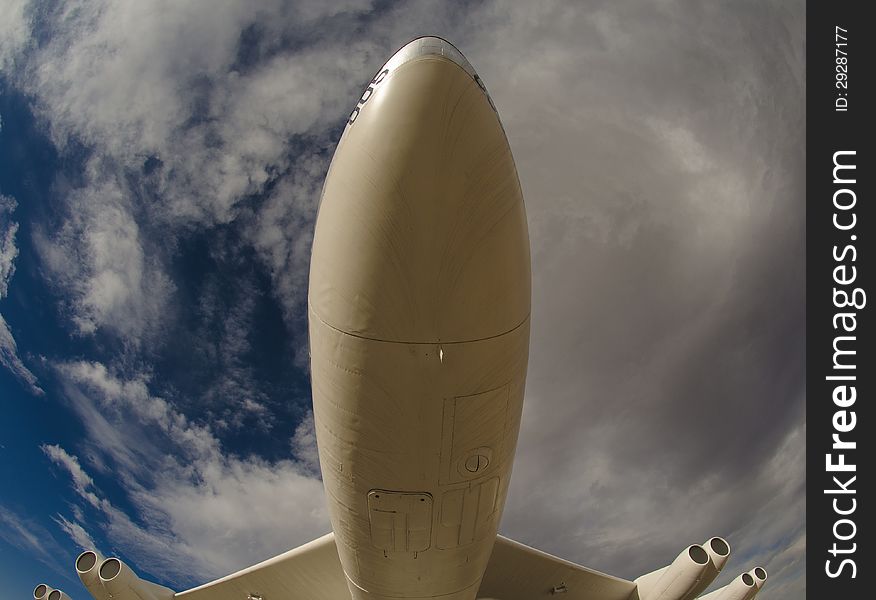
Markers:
{"x": 160, "y": 169}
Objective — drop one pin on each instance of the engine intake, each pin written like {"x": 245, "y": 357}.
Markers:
{"x": 719, "y": 551}
{"x": 760, "y": 576}
{"x": 680, "y": 580}
{"x": 123, "y": 584}
{"x": 741, "y": 588}
{"x": 87, "y": 566}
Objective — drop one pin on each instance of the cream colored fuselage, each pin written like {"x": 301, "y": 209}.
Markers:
{"x": 419, "y": 329}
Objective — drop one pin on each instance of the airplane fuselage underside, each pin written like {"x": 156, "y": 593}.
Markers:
{"x": 419, "y": 329}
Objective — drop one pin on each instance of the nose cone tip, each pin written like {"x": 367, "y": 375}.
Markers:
{"x": 421, "y": 234}
{"x": 430, "y": 46}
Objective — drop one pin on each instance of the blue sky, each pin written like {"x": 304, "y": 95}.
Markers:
{"x": 207, "y": 354}
{"x": 160, "y": 170}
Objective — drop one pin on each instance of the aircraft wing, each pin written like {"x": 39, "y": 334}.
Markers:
{"x": 313, "y": 572}
{"x": 514, "y": 572}
{"x": 309, "y": 572}
{"x": 518, "y": 572}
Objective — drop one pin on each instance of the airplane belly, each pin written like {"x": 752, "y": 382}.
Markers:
{"x": 419, "y": 329}
{"x": 416, "y": 455}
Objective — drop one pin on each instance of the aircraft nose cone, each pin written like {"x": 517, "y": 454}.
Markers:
{"x": 421, "y": 234}
{"x": 430, "y": 46}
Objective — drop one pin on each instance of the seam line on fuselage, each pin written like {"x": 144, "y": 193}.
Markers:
{"x": 365, "y": 337}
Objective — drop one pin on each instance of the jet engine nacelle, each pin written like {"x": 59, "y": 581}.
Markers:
{"x": 678, "y": 581}
{"x": 741, "y": 588}
{"x": 744, "y": 587}
{"x": 87, "y": 566}
{"x": 44, "y": 592}
{"x": 760, "y": 576}
{"x": 123, "y": 584}
{"x": 719, "y": 551}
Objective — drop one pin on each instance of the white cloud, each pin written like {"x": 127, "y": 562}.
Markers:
{"x": 82, "y": 482}
{"x": 9, "y": 357}
{"x": 8, "y": 249}
{"x": 77, "y": 533}
{"x": 139, "y": 85}
{"x": 281, "y": 232}
{"x": 30, "y": 536}
{"x": 186, "y": 491}
{"x": 143, "y": 82}
{"x": 304, "y": 444}
{"x": 23, "y": 536}
{"x": 15, "y": 31}
{"x": 233, "y": 397}
{"x": 98, "y": 256}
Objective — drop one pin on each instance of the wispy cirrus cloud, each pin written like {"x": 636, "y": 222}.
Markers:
{"x": 186, "y": 491}
{"x": 101, "y": 261}
{"x": 15, "y": 32}
{"x": 27, "y": 534}
{"x": 181, "y": 129}
{"x": 192, "y": 123}
{"x": 9, "y": 357}
{"x": 77, "y": 533}
{"x": 83, "y": 484}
